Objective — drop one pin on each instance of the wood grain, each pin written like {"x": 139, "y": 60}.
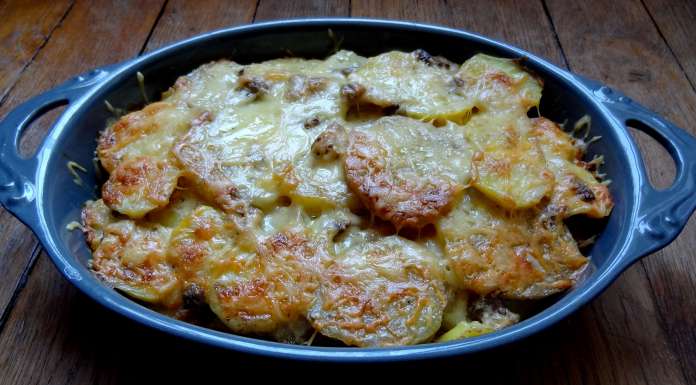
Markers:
{"x": 92, "y": 34}
{"x": 182, "y": 19}
{"x": 25, "y": 28}
{"x": 280, "y": 9}
{"x": 628, "y": 53}
{"x": 521, "y": 23}
{"x": 640, "y": 331}
{"x": 675, "y": 20}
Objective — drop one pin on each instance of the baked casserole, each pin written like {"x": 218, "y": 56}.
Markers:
{"x": 382, "y": 201}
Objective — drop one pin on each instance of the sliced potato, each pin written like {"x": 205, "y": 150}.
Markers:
{"x": 268, "y": 292}
{"x": 520, "y": 254}
{"x": 255, "y": 283}
{"x": 131, "y": 256}
{"x": 576, "y": 190}
{"x": 136, "y": 151}
{"x": 228, "y": 158}
{"x": 200, "y": 237}
{"x": 212, "y": 87}
{"x": 140, "y": 185}
{"x": 259, "y": 152}
{"x": 414, "y": 83}
{"x": 383, "y": 292}
{"x": 405, "y": 171}
{"x": 490, "y": 316}
{"x": 148, "y": 132}
{"x": 497, "y": 84}
{"x": 510, "y": 168}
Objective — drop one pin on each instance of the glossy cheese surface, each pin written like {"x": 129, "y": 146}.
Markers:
{"x": 380, "y": 201}
{"x": 417, "y": 84}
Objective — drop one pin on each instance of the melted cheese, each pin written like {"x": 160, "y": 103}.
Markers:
{"x": 510, "y": 168}
{"x": 130, "y": 256}
{"x": 497, "y": 84}
{"x": 381, "y": 292}
{"x": 406, "y": 171}
{"x": 576, "y": 190}
{"x": 252, "y": 190}
{"x": 136, "y": 151}
{"x": 519, "y": 254}
{"x": 420, "y": 89}
{"x": 261, "y": 149}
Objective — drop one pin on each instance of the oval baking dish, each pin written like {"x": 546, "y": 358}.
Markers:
{"x": 40, "y": 191}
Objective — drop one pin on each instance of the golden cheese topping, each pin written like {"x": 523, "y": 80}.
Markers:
{"x": 405, "y": 171}
{"x": 259, "y": 151}
{"x": 576, "y": 190}
{"x": 380, "y": 292}
{"x": 130, "y": 256}
{"x": 135, "y": 150}
{"x": 497, "y": 84}
{"x": 379, "y": 201}
{"x": 521, "y": 255}
{"x": 139, "y": 185}
{"x": 511, "y": 169}
{"x": 416, "y": 84}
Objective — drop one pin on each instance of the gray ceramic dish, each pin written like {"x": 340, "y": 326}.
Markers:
{"x": 39, "y": 190}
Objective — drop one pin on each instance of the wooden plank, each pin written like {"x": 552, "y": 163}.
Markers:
{"x": 614, "y": 340}
{"x": 25, "y": 29}
{"x": 675, "y": 21}
{"x": 521, "y": 23}
{"x": 628, "y": 53}
{"x": 280, "y": 9}
{"x": 182, "y": 19}
{"x": 76, "y": 46}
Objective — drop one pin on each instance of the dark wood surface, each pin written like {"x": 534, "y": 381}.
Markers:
{"x": 642, "y": 330}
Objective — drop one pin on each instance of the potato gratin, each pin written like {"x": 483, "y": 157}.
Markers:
{"x": 379, "y": 201}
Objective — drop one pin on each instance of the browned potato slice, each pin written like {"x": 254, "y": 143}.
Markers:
{"x": 498, "y": 84}
{"x": 576, "y": 190}
{"x": 135, "y": 150}
{"x": 139, "y": 185}
{"x": 211, "y": 87}
{"x": 510, "y": 168}
{"x": 554, "y": 141}
{"x": 255, "y": 283}
{"x": 381, "y": 292}
{"x": 518, "y": 254}
{"x": 130, "y": 256}
{"x": 516, "y": 178}
{"x": 405, "y": 171}
{"x": 268, "y": 292}
{"x": 147, "y": 132}
{"x": 419, "y": 85}
{"x": 200, "y": 236}
{"x": 258, "y": 152}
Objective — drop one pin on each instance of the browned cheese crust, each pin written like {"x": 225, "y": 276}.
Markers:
{"x": 525, "y": 254}
{"x": 405, "y": 171}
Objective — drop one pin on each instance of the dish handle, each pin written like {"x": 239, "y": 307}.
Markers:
{"x": 663, "y": 213}
{"x": 17, "y": 172}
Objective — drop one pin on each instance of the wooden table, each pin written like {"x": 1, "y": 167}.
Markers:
{"x": 642, "y": 330}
